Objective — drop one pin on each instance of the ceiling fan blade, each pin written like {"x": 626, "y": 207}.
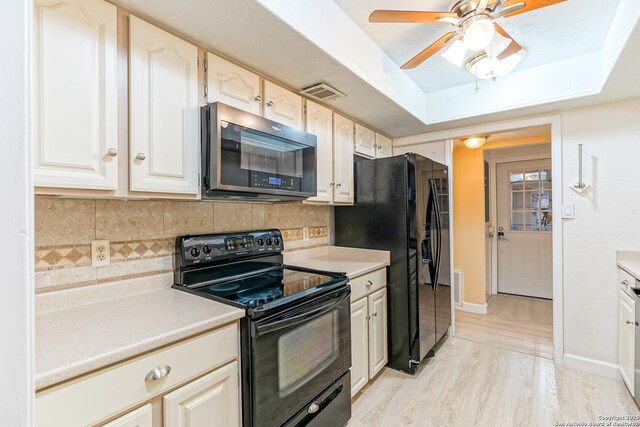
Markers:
{"x": 507, "y": 10}
{"x": 408, "y": 16}
{"x": 529, "y": 5}
{"x": 513, "y": 47}
{"x": 429, "y": 51}
{"x": 482, "y": 6}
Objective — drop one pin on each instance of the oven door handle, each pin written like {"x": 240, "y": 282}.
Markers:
{"x": 266, "y": 328}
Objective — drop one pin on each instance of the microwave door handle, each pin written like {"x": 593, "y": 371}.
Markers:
{"x": 266, "y": 328}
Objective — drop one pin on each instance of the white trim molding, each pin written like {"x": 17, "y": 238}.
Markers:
{"x": 593, "y": 366}
{"x": 473, "y": 308}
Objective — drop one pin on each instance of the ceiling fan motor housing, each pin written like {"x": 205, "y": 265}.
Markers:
{"x": 464, "y": 8}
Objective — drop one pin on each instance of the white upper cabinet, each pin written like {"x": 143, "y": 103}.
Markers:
{"x": 365, "y": 141}
{"x": 343, "y": 159}
{"x": 384, "y": 146}
{"x": 164, "y": 112}
{"x": 282, "y": 105}
{"x": 320, "y": 123}
{"x": 232, "y": 85}
{"x": 75, "y": 94}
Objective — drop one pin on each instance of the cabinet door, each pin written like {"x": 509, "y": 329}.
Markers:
{"x": 342, "y": 159}
{"x": 627, "y": 338}
{"x": 377, "y": 331}
{"x": 164, "y": 113}
{"x": 232, "y": 85}
{"x": 282, "y": 105}
{"x": 141, "y": 417}
{"x": 210, "y": 401}
{"x": 384, "y": 146}
{"x": 359, "y": 345}
{"x": 365, "y": 141}
{"x": 320, "y": 123}
{"x": 75, "y": 94}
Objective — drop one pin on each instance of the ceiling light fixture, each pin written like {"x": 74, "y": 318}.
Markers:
{"x": 474, "y": 142}
{"x": 456, "y": 53}
{"x": 486, "y": 68}
{"x": 478, "y": 32}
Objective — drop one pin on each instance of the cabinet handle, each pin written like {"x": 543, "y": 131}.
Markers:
{"x": 158, "y": 373}
{"x": 258, "y": 98}
{"x": 338, "y": 185}
{"x": 375, "y": 314}
{"x": 270, "y": 104}
{"x": 112, "y": 152}
{"x": 625, "y": 282}
{"x": 369, "y": 283}
{"x": 140, "y": 156}
{"x": 629, "y": 322}
{"x": 368, "y": 317}
{"x": 332, "y": 184}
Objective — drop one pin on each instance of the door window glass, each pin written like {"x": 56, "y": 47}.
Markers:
{"x": 531, "y": 200}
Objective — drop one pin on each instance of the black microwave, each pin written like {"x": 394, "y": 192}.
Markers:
{"x": 248, "y": 156}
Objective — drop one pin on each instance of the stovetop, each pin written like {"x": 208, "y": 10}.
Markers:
{"x": 250, "y": 275}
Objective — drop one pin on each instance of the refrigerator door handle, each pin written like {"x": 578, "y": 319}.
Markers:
{"x": 438, "y": 254}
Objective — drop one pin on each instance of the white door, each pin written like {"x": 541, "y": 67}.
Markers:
{"x": 359, "y": 345}
{"x": 232, "y": 85}
{"x": 377, "y": 331}
{"x": 141, "y": 417}
{"x": 320, "y": 123}
{"x": 384, "y": 146}
{"x": 75, "y": 94}
{"x": 524, "y": 228}
{"x": 626, "y": 341}
{"x": 164, "y": 112}
{"x": 282, "y": 105}
{"x": 342, "y": 159}
{"x": 365, "y": 141}
{"x": 210, "y": 401}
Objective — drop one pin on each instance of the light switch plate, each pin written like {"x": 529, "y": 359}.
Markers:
{"x": 100, "y": 253}
{"x": 568, "y": 211}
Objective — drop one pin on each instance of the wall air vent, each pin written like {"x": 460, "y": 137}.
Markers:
{"x": 322, "y": 92}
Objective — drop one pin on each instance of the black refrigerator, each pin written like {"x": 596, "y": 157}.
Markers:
{"x": 402, "y": 205}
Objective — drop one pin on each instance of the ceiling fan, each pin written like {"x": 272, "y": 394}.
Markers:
{"x": 476, "y": 28}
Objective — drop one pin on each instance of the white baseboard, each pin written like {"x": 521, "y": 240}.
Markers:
{"x": 593, "y": 366}
{"x": 473, "y": 308}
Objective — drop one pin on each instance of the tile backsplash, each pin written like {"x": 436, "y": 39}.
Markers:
{"x": 142, "y": 234}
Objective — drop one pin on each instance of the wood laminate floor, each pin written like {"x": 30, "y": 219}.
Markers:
{"x": 497, "y": 371}
{"x": 513, "y": 323}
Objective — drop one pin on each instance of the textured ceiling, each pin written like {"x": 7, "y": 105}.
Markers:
{"x": 539, "y": 133}
{"x": 550, "y": 34}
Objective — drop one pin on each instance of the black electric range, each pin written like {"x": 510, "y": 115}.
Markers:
{"x": 296, "y": 335}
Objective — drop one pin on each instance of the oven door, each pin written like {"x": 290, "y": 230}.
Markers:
{"x": 297, "y": 354}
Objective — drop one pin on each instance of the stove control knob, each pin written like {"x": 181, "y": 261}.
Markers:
{"x": 260, "y": 242}
{"x": 276, "y": 241}
{"x": 195, "y": 252}
{"x": 269, "y": 241}
{"x": 206, "y": 249}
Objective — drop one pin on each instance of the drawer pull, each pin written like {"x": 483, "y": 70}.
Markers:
{"x": 369, "y": 283}
{"x": 625, "y": 282}
{"x": 158, "y": 373}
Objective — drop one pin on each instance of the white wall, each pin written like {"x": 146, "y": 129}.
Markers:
{"x": 607, "y": 219}
{"x": 16, "y": 251}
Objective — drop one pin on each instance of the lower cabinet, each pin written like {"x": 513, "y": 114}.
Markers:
{"x": 141, "y": 417}
{"x": 368, "y": 333}
{"x": 209, "y": 401}
{"x": 626, "y": 340}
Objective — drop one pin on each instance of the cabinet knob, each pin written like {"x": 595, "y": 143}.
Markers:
{"x": 369, "y": 283}
{"x": 629, "y": 322}
{"x": 258, "y": 98}
{"x": 338, "y": 185}
{"x": 332, "y": 184}
{"x": 112, "y": 152}
{"x": 368, "y": 317}
{"x": 270, "y": 104}
{"x": 158, "y": 373}
{"x": 140, "y": 156}
{"x": 375, "y": 314}
{"x": 625, "y": 282}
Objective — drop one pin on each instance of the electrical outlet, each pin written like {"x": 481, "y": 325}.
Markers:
{"x": 100, "y": 253}
{"x": 305, "y": 233}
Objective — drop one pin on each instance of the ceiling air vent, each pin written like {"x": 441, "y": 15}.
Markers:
{"x": 322, "y": 92}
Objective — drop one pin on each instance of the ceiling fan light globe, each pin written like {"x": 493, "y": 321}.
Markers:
{"x": 456, "y": 53}
{"x": 485, "y": 68}
{"x": 478, "y": 34}
{"x": 498, "y": 45}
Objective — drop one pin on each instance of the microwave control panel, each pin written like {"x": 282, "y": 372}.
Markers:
{"x": 265, "y": 180}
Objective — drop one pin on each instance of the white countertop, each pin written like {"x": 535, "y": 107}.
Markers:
{"x": 629, "y": 261}
{"x": 352, "y": 261}
{"x": 84, "y": 338}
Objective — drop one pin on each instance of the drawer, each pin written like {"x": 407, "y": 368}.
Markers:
{"x": 368, "y": 283}
{"x": 94, "y": 397}
{"x": 627, "y": 281}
